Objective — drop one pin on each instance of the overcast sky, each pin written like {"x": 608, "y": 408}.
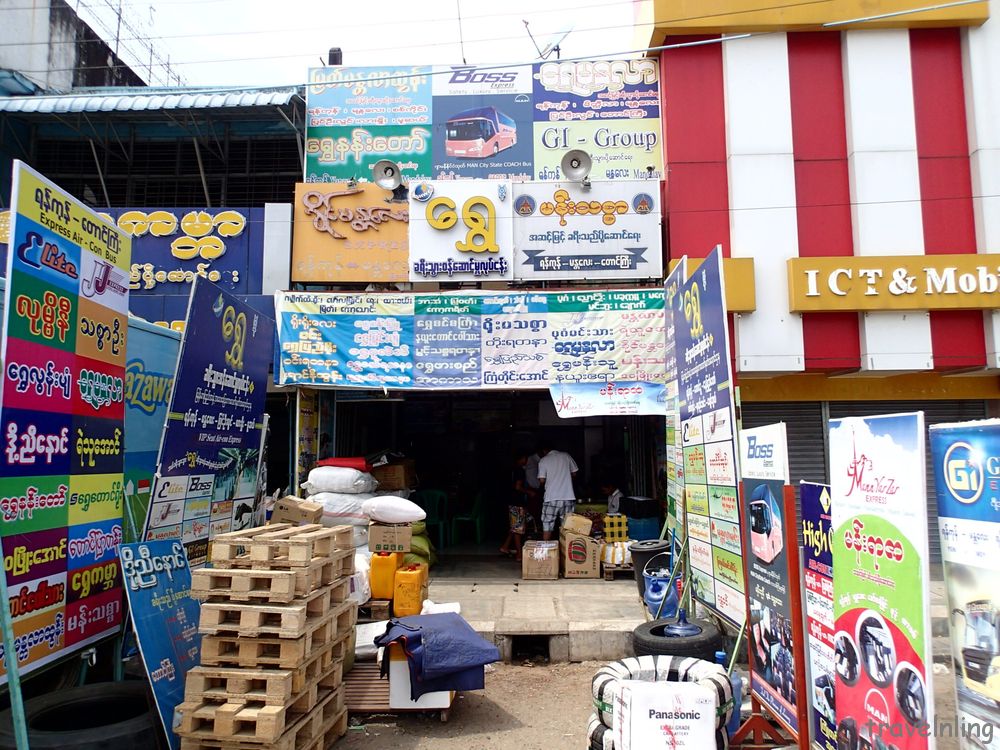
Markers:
{"x": 270, "y": 42}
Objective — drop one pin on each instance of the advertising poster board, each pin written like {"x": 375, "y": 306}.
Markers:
{"x": 708, "y": 436}
{"x": 967, "y": 480}
{"x": 497, "y": 122}
{"x": 674, "y": 448}
{"x": 150, "y": 364}
{"x": 506, "y": 340}
{"x": 461, "y": 231}
{"x": 343, "y": 233}
{"x": 609, "y": 231}
{"x": 63, "y": 391}
{"x": 772, "y": 572}
{"x": 609, "y": 399}
{"x": 165, "y": 619}
{"x": 817, "y": 536}
{"x": 306, "y": 432}
{"x": 206, "y": 478}
{"x": 881, "y": 606}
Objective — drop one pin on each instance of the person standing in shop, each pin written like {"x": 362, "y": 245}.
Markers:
{"x": 517, "y": 509}
{"x": 556, "y": 471}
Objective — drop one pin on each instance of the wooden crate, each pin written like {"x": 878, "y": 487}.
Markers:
{"x": 375, "y": 610}
{"x": 307, "y": 732}
{"x": 611, "y": 570}
{"x": 280, "y": 546}
{"x": 285, "y": 653}
{"x": 292, "y": 620}
{"x": 248, "y": 584}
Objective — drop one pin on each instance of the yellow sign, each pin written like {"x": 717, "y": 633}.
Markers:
{"x": 737, "y": 273}
{"x": 892, "y": 283}
{"x": 345, "y": 233}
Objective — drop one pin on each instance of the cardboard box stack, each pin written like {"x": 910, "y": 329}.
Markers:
{"x": 579, "y": 554}
{"x": 276, "y": 624}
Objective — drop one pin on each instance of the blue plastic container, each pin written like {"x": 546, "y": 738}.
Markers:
{"x": 656, "y": 589}
{"x": 640, "y": 529}
{"x": 736, "y": 681}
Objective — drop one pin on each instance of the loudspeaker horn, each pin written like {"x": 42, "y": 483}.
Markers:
{"x": 576, "y": 165}
{"x": 385, "y": 174}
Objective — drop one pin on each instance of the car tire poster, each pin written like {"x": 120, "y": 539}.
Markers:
{"x": 63, "y": 392}
{"x": 206, "y": 479}
{"x": 771, "y": 565}
{"x": 817, "y": 537}
{"x": 967, "y": 478}
{"x": 881, "y": 605}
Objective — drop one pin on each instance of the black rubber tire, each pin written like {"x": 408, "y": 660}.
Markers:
{"x": 103, "y": 716}
{"x": 600, "y": 737}
{"x": 648, "y": 639}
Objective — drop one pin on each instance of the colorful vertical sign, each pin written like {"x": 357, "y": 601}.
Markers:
{"x": 607, "y": 230}
{"x": 151, "y": 361}
{"x": 206, "y": 479}
{"x": 771, "y": 570}
{"x": 967, "y": 478}
{"x": 461, "y": 231}
{"x": 881, "y": 594}
{"x": 674, "y": 449}
{"x": 817, "y": 538}
{"x": 306, "y": 433}
{"x": 708, "y": 439}
{"x": 63, "y": 392}
{"x": 357, "y": 116}
{"x": 165, "y": 619}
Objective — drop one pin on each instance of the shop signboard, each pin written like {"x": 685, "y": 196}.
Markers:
{"x": 622, "y": 399}
{"x": 772, "y": 566}
{"x": 967, "y": 479}
{"x": 610, "y": 230}
{"x": 708, "y": 436}
{"x": 461, "y": 231}
{"x": 150, "y": 364}
{"x": 496, "y": 122}
{"x": 674, "y": 449}
{"x": 306, "y": 433}
{"x": 63, "y": 391}
{"x": 881, "y": 595}
{"x": 206, "y": 479}
{"x": 506, "y": 340}
{"x": 817, "y": 537}
{"x": 357, "y": 116}
{"x": 349, "y": 233}
{"x": 165, "y": 619}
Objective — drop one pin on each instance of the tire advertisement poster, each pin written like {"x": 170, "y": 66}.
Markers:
{"x": 881, "y": 597}
{"x": 63, "y": 391}
{"x": 206, "y": 481}
{"x": 708, "y": 437}
{"x": 770, "y": 580}
{"x": 165, "y": 618}
{"x": 967, "y": 477}
{"x": 817, "y": 537}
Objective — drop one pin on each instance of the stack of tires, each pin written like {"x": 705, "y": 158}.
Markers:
{"x": 659, "y": 668}
{"x": 700, "y": 639}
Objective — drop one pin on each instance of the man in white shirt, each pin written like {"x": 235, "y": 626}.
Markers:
{"x": 556, "y": 471}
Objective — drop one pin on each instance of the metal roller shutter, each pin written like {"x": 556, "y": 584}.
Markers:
{"x": 935, "y": 412}
{"x": 806, "y": 437}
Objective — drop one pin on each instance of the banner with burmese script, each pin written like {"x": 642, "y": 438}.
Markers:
{"x": 62, "y": 401}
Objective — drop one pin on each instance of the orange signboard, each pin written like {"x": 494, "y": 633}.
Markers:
{"x": 344, "y": 233}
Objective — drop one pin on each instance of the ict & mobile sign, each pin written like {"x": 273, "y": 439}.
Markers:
{"x": 464, "y": 122}
{"x": 63, "y": 391}
{"x": 881, "y": 606}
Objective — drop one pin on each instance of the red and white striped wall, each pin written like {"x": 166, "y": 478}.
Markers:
{"x": 869, "y": 142}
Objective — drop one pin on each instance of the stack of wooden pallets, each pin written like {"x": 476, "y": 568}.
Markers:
{"x": 275, "y": 622}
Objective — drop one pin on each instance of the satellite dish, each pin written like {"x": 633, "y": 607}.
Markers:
{"x": 576, "y": 165}
{"x": 386, "y": 174}
{"x": 553, "y": 45}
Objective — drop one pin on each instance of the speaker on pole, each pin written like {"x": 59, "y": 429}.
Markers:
{"x": 575, "y": 165}
{"x": 385, "y": 174}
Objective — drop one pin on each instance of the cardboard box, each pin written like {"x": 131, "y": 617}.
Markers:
{"x": 540, "y": 561}
{"x": 295, "y": 510}
{"x": 401, "y": 475}
{"x": 390, "y": 537}
{"x": 675, "y": 715}
{"x": 577, "y": 524}
{"x": 580, "y": 555}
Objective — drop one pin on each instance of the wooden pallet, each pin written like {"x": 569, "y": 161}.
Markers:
{"x": 312, "y": 731}
{"x": 364, "y": 689}
{"x": 293, "y": 620}
{"x": 280, "y": 546}
{"x": 247, "y": 584}
{"x": 611, "y": 570}
{"x": 375, "y": 610}
{"x": 295, "y": 689}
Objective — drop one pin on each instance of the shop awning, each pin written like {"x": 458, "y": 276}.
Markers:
{"x": 149, "y": 100}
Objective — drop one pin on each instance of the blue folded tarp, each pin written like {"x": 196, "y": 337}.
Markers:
{"x": 443, "y": 652}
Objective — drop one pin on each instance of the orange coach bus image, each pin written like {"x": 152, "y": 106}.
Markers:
{"x": 479, "y": 133}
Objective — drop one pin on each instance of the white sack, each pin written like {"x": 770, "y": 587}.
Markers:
{"x": 361, "y": 590}
{"x": 388, "y": 509}
{"x": 338, "y": 479}
{"x": 342, "y": 509}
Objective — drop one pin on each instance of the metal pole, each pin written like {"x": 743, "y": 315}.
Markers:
{"x": 201, "y": 171}
{"x": 13, "y": 672}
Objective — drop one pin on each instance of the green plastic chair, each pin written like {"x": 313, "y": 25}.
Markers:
{"x": 474, "y": 516}
{"x": 434, "y": 503}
